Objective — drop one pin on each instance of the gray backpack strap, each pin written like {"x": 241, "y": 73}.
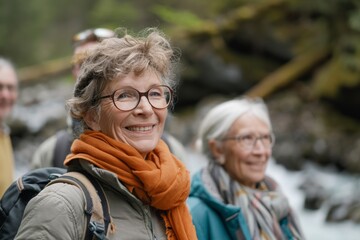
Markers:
{"x": 96, "y": 204}
{"x": 64, "y": 140}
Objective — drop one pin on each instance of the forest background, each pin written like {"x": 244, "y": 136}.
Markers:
{"x": 301, "y": 56}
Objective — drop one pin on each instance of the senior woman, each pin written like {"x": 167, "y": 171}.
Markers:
{"x": 232, "y": 197}
{"x": 121, "y": 99}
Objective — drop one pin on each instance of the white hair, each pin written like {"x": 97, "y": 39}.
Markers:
{"x": 6, "y": 63}
{"x": 218, "y": 121}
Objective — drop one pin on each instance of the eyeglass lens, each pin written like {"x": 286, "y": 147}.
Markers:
{"x": 248, "y": 141}
{"x": 127, "y": 99}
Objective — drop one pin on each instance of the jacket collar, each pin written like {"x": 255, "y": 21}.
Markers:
{"x": 203, "y": 187}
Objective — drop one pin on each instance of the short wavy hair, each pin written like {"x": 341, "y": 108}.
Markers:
{"x": 218, "y": 121}
{"x": 120, "y": 56}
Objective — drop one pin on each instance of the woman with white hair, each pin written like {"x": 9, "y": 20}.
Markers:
{"x": 232, "y": 197}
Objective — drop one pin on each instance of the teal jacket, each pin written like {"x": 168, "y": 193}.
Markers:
{"x": 215, "y": 220}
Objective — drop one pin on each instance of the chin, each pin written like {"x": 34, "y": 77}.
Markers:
{"x": 144, "y": 146}
{"x": 256, "y": 176}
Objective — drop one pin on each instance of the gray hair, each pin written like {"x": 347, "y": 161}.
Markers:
{"x": 6, "y": 63}
{"x": 220, "y": 118}
{"x": 120, "y": 56}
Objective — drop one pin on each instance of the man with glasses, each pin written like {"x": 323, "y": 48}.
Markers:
{"x": 52, "y": 152}
{"x": 8, "y": 96}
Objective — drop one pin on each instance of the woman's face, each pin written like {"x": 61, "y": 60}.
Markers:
{"x": 246, "y": 165}
{"x": 141, "y": 127}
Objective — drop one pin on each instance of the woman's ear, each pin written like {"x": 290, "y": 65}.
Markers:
{"x": 91, "y": 119}
{"x": 217, "y": 151}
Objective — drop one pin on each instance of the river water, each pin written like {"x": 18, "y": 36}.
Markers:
{"x": 40, "y": 102}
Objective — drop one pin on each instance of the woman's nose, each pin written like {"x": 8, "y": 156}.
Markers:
{"x": 144, "y": 104}
{"x": 259, "y": 146}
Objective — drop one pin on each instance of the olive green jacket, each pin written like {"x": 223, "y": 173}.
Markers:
{"x": 58, "y": 211}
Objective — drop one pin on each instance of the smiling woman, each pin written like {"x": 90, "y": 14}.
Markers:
{"x": 232, "y": 198}
{"x": 120, "y": 104}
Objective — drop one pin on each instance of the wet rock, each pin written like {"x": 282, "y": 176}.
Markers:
{"x": 347, "y": 209}
{"x": 338, "y": 212}
{"x": 355, "y": 211}
{"x": 313, "y": 131}
{"x": 315, "y": 194}
{"x": 288, "y": 154}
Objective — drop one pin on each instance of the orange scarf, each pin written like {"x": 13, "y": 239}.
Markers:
{"x": 160, "y": 180}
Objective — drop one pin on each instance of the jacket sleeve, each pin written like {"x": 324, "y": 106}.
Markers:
{"x": 57, "y": 212}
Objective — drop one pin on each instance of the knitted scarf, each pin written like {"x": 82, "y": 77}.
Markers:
{"x": 160, "y": 180}
{"x": 263, "y": 207}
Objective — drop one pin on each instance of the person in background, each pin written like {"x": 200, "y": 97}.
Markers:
{"x": 232, "y": 197}
{"x": 52, "y": 152}
{"x": 8, "y": 96}
{"x": 121, "y": 100}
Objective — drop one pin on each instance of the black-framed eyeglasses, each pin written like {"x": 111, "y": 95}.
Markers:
{"x": 248, "y": 141}
{"x": 89, "y": 35}
{"x": 127, "y": 99}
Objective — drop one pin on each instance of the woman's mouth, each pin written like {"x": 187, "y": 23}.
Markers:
{"x": 140, "y": 129}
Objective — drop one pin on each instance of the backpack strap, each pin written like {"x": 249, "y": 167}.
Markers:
{"x": 96, "y": 204}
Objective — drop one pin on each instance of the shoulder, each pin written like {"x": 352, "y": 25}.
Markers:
{"x": 58, "y": 209}
{"x": 44, "y": 153}
{"x": 208, "y": 223}
{"x": 47, "y": 143}
{"x": 63, "y": 191}
{"x": 199, "y": 208}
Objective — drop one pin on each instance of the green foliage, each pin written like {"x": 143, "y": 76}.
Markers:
{"x": 185, "y": 19}
{"x": 323, "y": 7}
{"x": 38, "y": 30}
{"x": 354, "y": 20}
{"x": 20, "y": 38}
{"x": 343, "y": 70}
{"x": 114, "y": 14}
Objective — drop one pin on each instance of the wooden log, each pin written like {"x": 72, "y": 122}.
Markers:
{"x": 288, "y": 72}
{"x": 36, "y": 73}
{"x": 231, "y": 20}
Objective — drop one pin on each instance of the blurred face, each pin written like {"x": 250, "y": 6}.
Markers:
{"x": 141, "y": 127}
{"x": 79, "y": 56}
{"x": 246, "y": 165}
{"x": 8, "y": 91}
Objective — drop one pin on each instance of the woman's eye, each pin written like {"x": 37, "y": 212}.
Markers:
{"x": 125, "y": 95}
{"x": 248, "y": 137}
{"x": 122, "y": 96}
{"x": 155, "y": 94}
{"x": 265, "y": 137}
